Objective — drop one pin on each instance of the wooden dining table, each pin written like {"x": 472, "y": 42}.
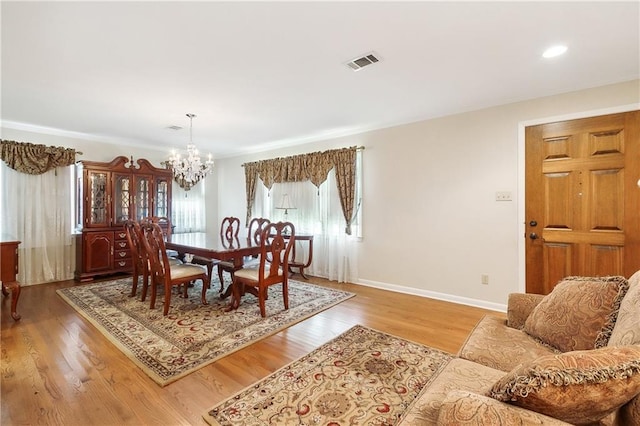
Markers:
{"x": 214, "y": 247}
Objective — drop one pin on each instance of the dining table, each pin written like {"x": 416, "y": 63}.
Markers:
{"x": 213, "y": 247}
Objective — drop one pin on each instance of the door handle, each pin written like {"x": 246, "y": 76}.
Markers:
{"x": 533, "y": 236}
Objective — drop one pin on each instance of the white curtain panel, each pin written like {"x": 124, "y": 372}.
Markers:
{"x": 37, "y": 210}
{"x": 317, "y": 212}
{"x": 188, "y": 209}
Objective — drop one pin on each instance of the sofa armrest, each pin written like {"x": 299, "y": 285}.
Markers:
{"x": 520, "y": 306}
{"x": 464, "y": 408}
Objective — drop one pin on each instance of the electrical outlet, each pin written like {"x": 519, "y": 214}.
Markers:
{"x": 504, "y": 196}
{"x": 485, "y": 279}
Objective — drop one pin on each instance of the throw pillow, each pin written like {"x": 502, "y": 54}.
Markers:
{"x": 577, "y": 387}
{"x": 627, "y": 328}
{"x": 578, "y": 314}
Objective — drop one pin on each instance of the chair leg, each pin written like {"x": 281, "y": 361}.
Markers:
{"x": 145, "y": 285}
{"x": 285, "y": 294}
{"x": 220, "y": 278}
{"x": 134, "y": 287}
{"x": 262, "y": 296}
{"x": 209, "y": 272}
{"x": 167, "y": 298}
{"x": 205, "y": 287}
{"x": 154, "y": 293}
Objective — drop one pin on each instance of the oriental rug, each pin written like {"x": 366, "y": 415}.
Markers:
{"x": 362, "y": 377}
{"x": 192, "y": 335}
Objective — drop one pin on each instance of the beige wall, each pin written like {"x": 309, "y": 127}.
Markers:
{"x": 431, "y": 224}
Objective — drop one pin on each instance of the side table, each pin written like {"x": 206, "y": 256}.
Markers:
{"x": 294, "y": 263}
{"x": 9, "y": 270}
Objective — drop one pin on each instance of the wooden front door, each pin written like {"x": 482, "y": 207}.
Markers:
{"x": 582, "y": 199}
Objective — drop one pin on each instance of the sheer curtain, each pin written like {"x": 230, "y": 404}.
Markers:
{"x": 317, "y": 212}
{"x": 37, "y": 210}
{"x": 188, "y": 209}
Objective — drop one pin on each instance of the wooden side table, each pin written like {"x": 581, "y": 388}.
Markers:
{"x": 293, "y": 263}
{"x": 9, "y": 270}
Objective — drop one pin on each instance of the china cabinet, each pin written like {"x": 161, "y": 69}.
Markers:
{"x": 108, "y": 195}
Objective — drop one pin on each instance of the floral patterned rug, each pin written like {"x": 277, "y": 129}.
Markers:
{"x": 192, "y": 335}
{"x": 362, "y": 377}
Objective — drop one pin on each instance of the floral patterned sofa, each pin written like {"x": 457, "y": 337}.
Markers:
{"x": 571, "y": 357}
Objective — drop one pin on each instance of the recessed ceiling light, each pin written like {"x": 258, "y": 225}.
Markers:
{"x": 554, "y": 51}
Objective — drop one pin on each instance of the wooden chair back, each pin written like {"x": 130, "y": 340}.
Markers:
{"x": 132, "y": 229}
{"x": 276, "y": 242}
{"x": 138, "y": 254}
{"x": 153, "y": 243}
{"x": 229, "y": 228}
{"x": 164, "y": 223}
{"x": 256, "y": 226}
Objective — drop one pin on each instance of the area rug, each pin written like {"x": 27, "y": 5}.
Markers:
{"x": 362, "y": 377}
{"x": 192, "y": 335}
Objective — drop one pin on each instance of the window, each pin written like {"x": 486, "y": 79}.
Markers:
{"x": 318, "y": 212}
{"x": 188, "y": 209}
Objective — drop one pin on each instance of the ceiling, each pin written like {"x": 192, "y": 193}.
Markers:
{"x": 261, "y": 75}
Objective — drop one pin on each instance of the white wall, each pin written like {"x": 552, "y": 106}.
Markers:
{"x": 431, "y": 225}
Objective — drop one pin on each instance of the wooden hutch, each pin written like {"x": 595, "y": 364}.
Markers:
{"x": 108, "y": 195}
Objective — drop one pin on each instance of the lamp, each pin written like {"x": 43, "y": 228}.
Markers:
{"x": 285, "y": 205}
{"x": 189, "y": 170}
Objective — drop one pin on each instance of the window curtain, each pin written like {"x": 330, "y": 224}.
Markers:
{"x": 251, "y": 176}
{"x": 313, "y": 167}
{"x": 188, "y": 208}
{"x": 325, "y": 190}
{"x": 36, "y": 205}
{"x": 318, "y": 211}
{"x": 35, "y": 159}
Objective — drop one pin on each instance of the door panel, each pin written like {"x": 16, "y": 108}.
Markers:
{"x": 581, "y": 199}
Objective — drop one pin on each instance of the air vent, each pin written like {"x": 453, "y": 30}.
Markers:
{"x": 174, "y": 127}
{"x": 366, "y": 60}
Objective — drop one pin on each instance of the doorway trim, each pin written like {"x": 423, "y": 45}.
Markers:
{"x": 521, "y": 176}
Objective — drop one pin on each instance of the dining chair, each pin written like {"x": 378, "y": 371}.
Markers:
{"x": 167, "y": 229}
{"x": 140, "y": 262}
{"x": 275, "y": 248}
{"x": 229, "y": 229}
{"x": 163, "y": 273}
{"x": 138, "y": 258}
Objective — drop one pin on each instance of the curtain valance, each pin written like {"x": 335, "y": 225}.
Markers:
{"x": 312, "y": 167}
{"x": 35, "y": 159}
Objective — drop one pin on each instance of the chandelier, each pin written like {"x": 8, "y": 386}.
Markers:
{"x": 189, "y": 170}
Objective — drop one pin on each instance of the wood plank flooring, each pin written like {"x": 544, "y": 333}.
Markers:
{"x": 56, "y": 368}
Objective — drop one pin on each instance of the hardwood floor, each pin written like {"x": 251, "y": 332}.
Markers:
{"x": 58, "y": 369}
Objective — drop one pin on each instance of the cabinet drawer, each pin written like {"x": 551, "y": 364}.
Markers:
{"x": 122, "y": 254}
{"x": 122, "y": 264}
{"x": 120, "y": 235}
{"x": 122, "y": 244}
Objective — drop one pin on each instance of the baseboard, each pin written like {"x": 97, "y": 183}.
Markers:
{"x": 435, "y": 295}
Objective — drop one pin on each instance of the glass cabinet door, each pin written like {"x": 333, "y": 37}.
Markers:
{"x": 162, "y": 198}
{"x": 122, "y": 192}
{"x": 142, "y": 197}
{"x": 97, "y": 199}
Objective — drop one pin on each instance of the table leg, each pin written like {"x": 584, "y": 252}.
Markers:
{"x": 14, "y": 287}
